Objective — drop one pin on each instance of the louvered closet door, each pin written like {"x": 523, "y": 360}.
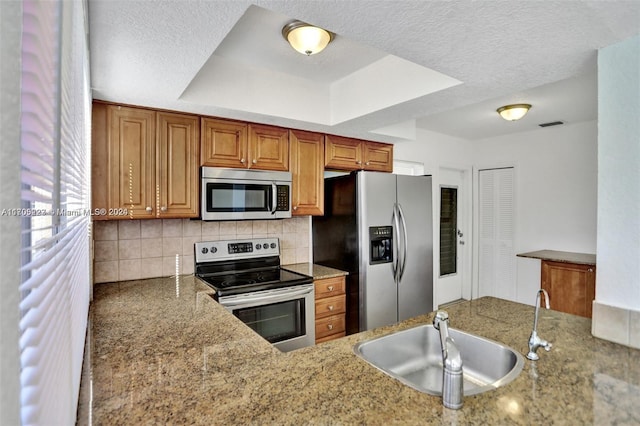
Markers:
{"x": 496, "y": 252}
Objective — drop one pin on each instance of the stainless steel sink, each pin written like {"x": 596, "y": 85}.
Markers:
{"x": 414, "y": 357}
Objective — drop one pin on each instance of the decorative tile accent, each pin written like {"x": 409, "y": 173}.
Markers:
{"x": 191, "y": 228}
{"x": 171, "y": 246}
{"x": 105, "y": 230}
{"x": 105, "y": 272}
{"x": 129, "y": 269}
{"x": 172, "y": 227}
{"x": 105, "y": 250}
{"x": 129, "y": 249}
{"x": 135, "y": 249}
{"x": 128, "y": 229}
{"x": 150, "y": 267}
{"x": 610, "y": 323}
{"x": 150, "y": 228}
{"x": 244, "y": 228}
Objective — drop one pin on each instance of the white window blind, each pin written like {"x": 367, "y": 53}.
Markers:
{"x": 496, "y": 233}
{"x": 55, "y": 137}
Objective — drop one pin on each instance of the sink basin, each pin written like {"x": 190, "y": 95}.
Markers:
{"x": 414, "y": 357}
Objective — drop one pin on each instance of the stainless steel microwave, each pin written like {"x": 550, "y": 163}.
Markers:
{"x": 235, "y": 194}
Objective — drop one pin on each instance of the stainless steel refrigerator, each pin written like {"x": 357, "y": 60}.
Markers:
{"x": 379, "y": 228}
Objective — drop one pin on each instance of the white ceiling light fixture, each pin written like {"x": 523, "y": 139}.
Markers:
{"x": 306, "y": 38}
{"x": 513, "y": 112}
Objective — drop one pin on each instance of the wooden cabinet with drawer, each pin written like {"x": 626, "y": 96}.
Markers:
{"x": 330, "y": 308}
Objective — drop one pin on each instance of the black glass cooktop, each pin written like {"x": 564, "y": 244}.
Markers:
{"x": 237, "y": 282}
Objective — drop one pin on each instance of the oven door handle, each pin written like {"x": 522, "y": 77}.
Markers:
{"x": 274, "y": 197}
{"x": 277, "y": 297}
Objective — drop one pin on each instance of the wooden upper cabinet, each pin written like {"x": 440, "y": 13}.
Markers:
{"x": 342, "y": 153}
{"x": 224, "y": 143}
{"x": 378, "y": 156}
{"x": 353, "y": 154}
{"x": 268, "y": 147}
{"x": 177, "y": 169}
{"x": 307, "y": 170}
{"x": 144, "y": 163}
{"x": 123, "y": 161}
{"x": 571, "y": 287}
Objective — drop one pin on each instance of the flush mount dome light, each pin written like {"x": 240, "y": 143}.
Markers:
{"x": 513, "y": 112}
{"x": 306, "y": 38}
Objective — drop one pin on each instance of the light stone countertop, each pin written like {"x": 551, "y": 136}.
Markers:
{"x": 161, "y": 351}
{"x": 318, "y": 272}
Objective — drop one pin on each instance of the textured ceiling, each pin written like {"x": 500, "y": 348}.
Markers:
{"x": 149, "y": 52}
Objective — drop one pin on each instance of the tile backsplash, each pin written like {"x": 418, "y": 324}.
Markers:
{"x": 136, "y": 249}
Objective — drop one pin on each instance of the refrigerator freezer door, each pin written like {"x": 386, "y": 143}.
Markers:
{"x": 378, "y": 292}
{"x": 415, "y": 289}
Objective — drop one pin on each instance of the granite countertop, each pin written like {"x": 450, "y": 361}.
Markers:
{"x": 161, "y": 351}
{"x": 562, "y": 256}
{"x": 318, "y": 272}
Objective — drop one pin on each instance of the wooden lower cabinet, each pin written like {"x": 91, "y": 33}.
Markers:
{"x": 571, "y": 286}
{"x": 330, "y": 308}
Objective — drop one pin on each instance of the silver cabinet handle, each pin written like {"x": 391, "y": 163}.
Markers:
{"x": 149, "y": 209}
{"x": 254, "y": 161}
{"x": 242, "y": 160}
{"x": 330, "y": 288}
{"x": 295, "y": 207}
{"x": 330, "y": 307}
{"x": 163, "y": 209}
{"x": 330, "y": 326}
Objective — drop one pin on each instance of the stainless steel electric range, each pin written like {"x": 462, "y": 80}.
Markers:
{"x": 249, "y": 282}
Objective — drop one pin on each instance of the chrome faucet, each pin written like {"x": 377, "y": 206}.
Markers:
{"x": 452, "y": 364}
{"x": 534, "y": 340}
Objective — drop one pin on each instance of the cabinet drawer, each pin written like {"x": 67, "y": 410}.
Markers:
{"x": 330, "y": 306}
{"x": 330, "y": 337}
{"x": 329, "y": 287}
{"x": 330, "y": 325}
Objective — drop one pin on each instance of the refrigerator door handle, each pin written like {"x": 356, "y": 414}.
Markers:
{"x": 403, "y": 262}
{"x": 395, "y": 266}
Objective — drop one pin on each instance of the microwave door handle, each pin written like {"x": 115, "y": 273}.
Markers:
{"x": 274, "y": 197}
{"x": 278, "y": 297}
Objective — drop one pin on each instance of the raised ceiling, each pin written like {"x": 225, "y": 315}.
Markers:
{"x": 394, "y": 66}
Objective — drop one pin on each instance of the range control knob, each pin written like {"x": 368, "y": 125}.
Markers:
{"x": 273, "y": 245}
{"x": 213, "y": 249}
{"x": 205, "y": 250}
{"x": 258, "y": 246}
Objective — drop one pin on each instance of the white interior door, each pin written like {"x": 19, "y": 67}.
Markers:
{"x": 496, "y": 256}
{"x": 453, "y": 254}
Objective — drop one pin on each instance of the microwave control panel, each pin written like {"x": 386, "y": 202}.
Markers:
{"x": 282, "y": 196}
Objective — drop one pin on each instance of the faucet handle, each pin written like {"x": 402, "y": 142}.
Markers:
{"x": 547, "y": 346}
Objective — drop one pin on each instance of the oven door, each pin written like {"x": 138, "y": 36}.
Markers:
{"x": 284, "y": 317}
{"x": 224, "y": 199}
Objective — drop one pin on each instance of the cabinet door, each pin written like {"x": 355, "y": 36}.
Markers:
{"x": 378, "y": 156}
{"x": 224, "y": 143}
{"x": 571, "y": 287}
{"x": 268, "y": 147}
{"x": 342, "y": 153}
{"x": 307, "y": 169}
{"x": 177, "y": 165}
{"x": 130, "y": 179}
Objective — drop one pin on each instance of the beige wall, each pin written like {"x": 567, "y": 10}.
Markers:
{"x": 137, "y": 249}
